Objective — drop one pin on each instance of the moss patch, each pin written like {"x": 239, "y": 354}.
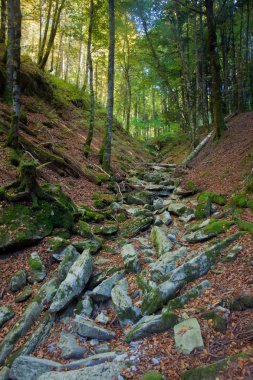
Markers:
{"x": 152, "y": 375}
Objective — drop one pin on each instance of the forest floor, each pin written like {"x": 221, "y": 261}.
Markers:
{"x": 220, "y": 167}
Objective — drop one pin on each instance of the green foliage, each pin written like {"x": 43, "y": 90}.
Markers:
{"x": 244, "y": 226}
{"x": 239, "y": 200}
{"x": 152, "y": 375}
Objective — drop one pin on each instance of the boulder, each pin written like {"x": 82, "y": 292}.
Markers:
{"x": 6, "y": 313}
{"x": 204, "y": 206}
{"x": 106, "y": 230}
{"x": 139, "y": 198}
{"x": 213, "y": 229}
{"x": 26, "y": 293}
{"x": 151, "y": 324}
{"x": 30, "y": 367}
{"x": 18, "y": 281}
{"x": 98, "y": 372}
{"x": 37, "y": 268}
{"x": 188, "y": 336}
{"x": 31, "y": 314}
{"x": 78, "y": 276}
{"x": 179, "y": 209}
{"x": 158, "y": 204}
{"x": 85, "y": 306}
{"x": 70, "y": 255}
{"x": 233, "y": 254}
{"x": 70, "y": 349}
{"x": 94, "y": 245}
{"x": 89, "y": 329}
{"x": 166, "y": 218}
{"x": 193, "y": 293}
{"x": 160, "y": 241}
{"x": 162, "y": 267}
{"x": 134, "y": 226}
{"x": 123, "y": 304}
{"x": 103, "y": 291}
{"x": 130, "y": 258}
{"x": 154, "y": 298}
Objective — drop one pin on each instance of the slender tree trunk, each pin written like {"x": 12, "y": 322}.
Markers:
{"x": 10, "y": 54}
{"x": 106, "y": 149}
{"x": 92, "y": 98}
{"x": 219, "y": 122}
{"x": 3, "y": 22}
{"x": 240, "y": 67}
{"x": 44, "y": 38}
{"x": 14, "y": 18}
{"x": 204, "y": 97}
{"x": 196, "y": 134}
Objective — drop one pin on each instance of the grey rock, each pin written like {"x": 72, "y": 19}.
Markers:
{"x": 103, "y": 291}
{"x": 160, "y": 241}
{"x": 70, "y": 349}
{"x": 233, "y": 253}
{"x": 93, "y": 245}
{"x": 102, "y": 348}
{"x": 26, "y": 293}
{"x": 85, "y": 306}
{"x": 69, "y": 257}
{"x": 18, "y": 281}
{"x": 89, "y": 329}
{"x": 187, "y": 218}
{"x": 78, "y": 276}
{"x": 123, "y": 304}
{"x": 6, "y": 313}
{"x": 188, "y": 336}
{"x": 5, "y": 373}
{"x": 151, "y": 324}
{"x": 102, "y": 318}
{"x": 158, "y": 221}
{"x": 166, "y": 218}
{"x": 30, "y": 368}
{"x": 166, "y": 263}
{"x": 158, "y": 204}
{"x": 199, "y": 236}
{"x": 106, "y": 371}
{"x": 179, "y": 209}
{"x": 93, "y": 360}
{"x": 37, "y": 268}
{"x": 130, "y": 258}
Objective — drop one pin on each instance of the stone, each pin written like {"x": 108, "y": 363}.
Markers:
{"x": 134, "y": 226}
{"x": 37, "y": 268}
{"x": 70, "y": 255}
{"x": 188, "y": 336}
{"x": 57, "y": 246}
{"x": 70, "y": 349}
{"x": 193, "y": 293}
{"x": 186, "y": 218}
{"x": 219, "y": 321}
{"x": 199, "y": 236}
{"x": 102, "y": 318}
{"x": 233, "y": 254}
{"x": 103, "y": 291}
{"x": 97, "y": 372}
{"x": 18, "y": 281}
{"x": 166, "y": 218}
{"x": 106, "y": 230}
{"x": 5, "y": 373}
{"x": 89, "y": 329}
{"x": 6, "y": 313}
{"x": 158, "y": 204}
{"x": 123, "y": 304}
{"x": 31, "y": 313}
{"x": 102, "y": 348}
{"x": 151, "y": 324}
{"x": 160, "y": 241}
{"x": 198, "y": 225}
{"x": 139, "y": 198}
{"x": 179, "y": 209}
{"x": 242, "y": 302}
{"x": 130, "y": 258}
{"x": 94, "y": 245}
{"x": 30, "y": 367}
{"x": 158, "y": 221}
{"x": 85, "y": 306}
{"x": 78, "y": 276}
{"x": 26, "y": 293}
{"x": 166, "y": 263}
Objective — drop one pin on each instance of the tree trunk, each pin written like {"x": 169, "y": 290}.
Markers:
{"x": 219, "y": 122}
{"x": 14, "y": 18}
{"x": 43, "y": 39}
{"x": 3, "y": 22}
{"x": 106, "y": 149}
{"x": 92, "y": 99}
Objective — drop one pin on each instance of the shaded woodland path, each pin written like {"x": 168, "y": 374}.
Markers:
{"x": 166, "y": 291}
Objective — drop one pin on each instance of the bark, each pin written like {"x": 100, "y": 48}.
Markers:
{"x": 15, "y": 51}
{"x": 219, "y": 123}
{"x": 106, "y": 149}
{"x": 91, "y": 80}
{"x": 44, "y": 38}
{"x": 3, "y": 22}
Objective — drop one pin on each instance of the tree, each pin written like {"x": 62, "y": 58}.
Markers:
{"x": 14, "y": 52}
{"x": 92, "y": 98}
{"x": 105, "y": 153}
{"x": 3, "y": 22}
{"x": 219, "y": 122}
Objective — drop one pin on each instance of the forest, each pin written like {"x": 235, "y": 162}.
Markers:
{"x": 126, "y": 189}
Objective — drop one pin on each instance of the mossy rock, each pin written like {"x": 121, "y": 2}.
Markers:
{"x": 242, "y": 302}
{"x": 102, "y": 201}
{"x": 203, "y": 208}
{"x": 152, "y": 375}
{"x": 244, "y": 226}
{"x": 217, "y": 227}
{"x": 133, "y": 227}
{"x": 83, "y": 229}
{"x": 106, "y": 230}
{"x": 190, "y": 185}
{"x": 37, "y": 268}
{"x": 86, "y": 214}
{"x": 239, "y": 200}
{"x": 219, "y": 322}
{"x": 57, "y": 244}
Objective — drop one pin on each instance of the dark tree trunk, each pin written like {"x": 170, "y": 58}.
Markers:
{"x": 43, "y": 39}
{"x": 106, "y": 149}
{"x": 219, "y": 122}
{"x": 3, "y": 22}
{"x": 92, "y": 98}
{"x": 14, "y": 18}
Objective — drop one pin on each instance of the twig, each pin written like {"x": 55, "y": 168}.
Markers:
{"x": 122, "y": 199}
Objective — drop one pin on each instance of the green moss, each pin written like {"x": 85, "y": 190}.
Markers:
{"x": 192, "y": 187}
{"x": 83, "y": 229}
{"x": 239, "y": 200}
{"x": 152, "y": 301}
{"x": 23, "y": 117}
{"x": 152, "y": 375}
{"x": 244, "y": 226}
{"x": 35, "y": 264}
{"x": 102, "y": 178}
{"x": 249, "y": 185}
{"x": 15, "y": 157}
{"x": 218, "y": 321}
{"x": 203, "y": 208}
{"x": 86, "y": 214}
{"x": 242, "y": 302}
{"x": 103, "y": 200}
{"x": 217, "y": 227}
{"x": 133, "y": 227}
